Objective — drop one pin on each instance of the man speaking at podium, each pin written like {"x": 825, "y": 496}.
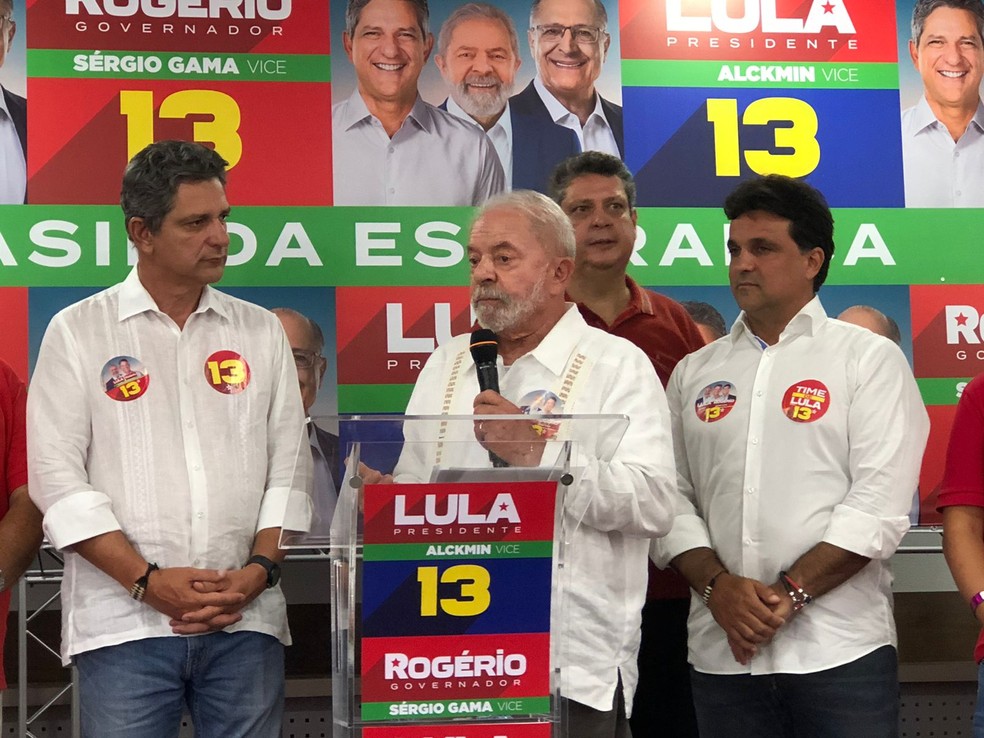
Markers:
{"x": 167, "y": 491}
{"x": 521, "y": 251}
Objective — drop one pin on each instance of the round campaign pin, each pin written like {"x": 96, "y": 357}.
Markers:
{"x": 227, "y": 372}
{"x": 806, "y": 401}
{"x": 124, "y": 378}
{"x": 715, "y": 401}
{"x": 543, "y": 403}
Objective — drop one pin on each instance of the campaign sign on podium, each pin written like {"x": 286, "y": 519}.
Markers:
{"x": 448, "y": 606}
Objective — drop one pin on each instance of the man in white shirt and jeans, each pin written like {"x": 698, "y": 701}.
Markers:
{"x": 167, "y": 493}
{"x": 794, "y": 490}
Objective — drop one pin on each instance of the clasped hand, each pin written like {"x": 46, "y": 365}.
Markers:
{"x": 749, "y": 611}
{"x": 203, "y": 600}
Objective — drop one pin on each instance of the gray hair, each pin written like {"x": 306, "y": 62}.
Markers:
{"x": 590, "y": 162}
{"x": 923, "y": 8}
{"x": 550, "y": 225}
{"x": 316, "y": 333}
{"x": 353, "y": 12}
{"x": 471, "y": 11}
{"x": 601, "y": 15}
{"x": 152, "y": 178}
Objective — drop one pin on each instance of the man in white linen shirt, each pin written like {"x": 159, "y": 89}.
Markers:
{"x": 794, "y": 491}
{"x": 521, "y": 251}
{"x": 390, "y": 147}
{"x": 569, "y": 42}
{"x": 943, "y": 134}
{"x": 478, "y": 55}
{"x": 167, "y": 492}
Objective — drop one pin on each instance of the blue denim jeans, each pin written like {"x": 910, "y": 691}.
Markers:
{"x": 979, "y": 709}
{"x": 856, "y": 700}
{"x": 232, "y": 684}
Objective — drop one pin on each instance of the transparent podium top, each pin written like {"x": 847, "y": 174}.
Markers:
{"x": 348, "y": 452}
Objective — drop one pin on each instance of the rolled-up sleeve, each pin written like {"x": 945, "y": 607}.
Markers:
{"x": 888, "y": 427}
{"x": 58, "y": 438}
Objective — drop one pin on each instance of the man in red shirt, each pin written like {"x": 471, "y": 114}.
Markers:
{"x": 20, "y": 521}
{"x": 597, "y": 193}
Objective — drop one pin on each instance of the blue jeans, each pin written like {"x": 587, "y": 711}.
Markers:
{"x": 232, "y": 684}
{"x": 856, "y": 700}
{"x": 979, "y": 710}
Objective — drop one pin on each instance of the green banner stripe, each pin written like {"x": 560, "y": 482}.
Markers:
{"x": 69, "y": 63}
{"x": 450, "y": 551}
{"x": 770, "y": 75}
{"x": 942, "y": 391}
{"x": 85, "y": 245}
{"x": 443, "y": 709}
{"x": 373, "y": 398}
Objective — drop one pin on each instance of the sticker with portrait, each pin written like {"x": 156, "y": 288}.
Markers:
{"x": 124, "y": 378}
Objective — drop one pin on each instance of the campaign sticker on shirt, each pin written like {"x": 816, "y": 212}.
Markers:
{"x": 124, "y": 378}
{"x": 806, "y": 401}
{"x": 715, "y": 401}
{"x": 227, "y": 372}
{"x": 542, "y": 402}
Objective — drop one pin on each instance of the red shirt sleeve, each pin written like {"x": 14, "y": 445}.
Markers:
{"x": 963, "y": 478}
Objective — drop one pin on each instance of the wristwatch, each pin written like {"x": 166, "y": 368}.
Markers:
{"x": 272, "y": 569}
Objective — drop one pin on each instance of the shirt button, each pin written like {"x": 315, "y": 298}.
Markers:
{"x": 758, "y": 393}
{"x": 755, "y": 442}
{"x": 748, "y": 541}
{"x": 392, "y": 150}
{"x": 201, "y": 515}
{"x": 198, "y": 467}
{"x": 750, "y": 490}
{"x": 190, "y": 424}
{"x": 391, "y": 190}
{"x": 197, "y": 562}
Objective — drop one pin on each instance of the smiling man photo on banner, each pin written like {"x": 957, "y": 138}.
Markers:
{"x": 521, "y": 250}
{"x": 165, "y": 483}
{"x": 13, "y": 121}
{"x": 569, "y": 42}
{"x": 478, "y": 56}
{"x": 943, "y": 134}
{"x": 796, "y": 474}
{"x": 391, "y": 147}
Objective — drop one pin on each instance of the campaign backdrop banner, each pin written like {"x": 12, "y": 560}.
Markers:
{"x": 711, "y": 93}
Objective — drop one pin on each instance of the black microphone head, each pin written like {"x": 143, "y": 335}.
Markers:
{"x": 484, "y": 346}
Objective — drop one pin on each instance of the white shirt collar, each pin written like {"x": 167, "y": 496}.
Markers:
{"x": 556, "y": 108}
{"x": 135, "y": 299}
{"x": 806, "y": 322}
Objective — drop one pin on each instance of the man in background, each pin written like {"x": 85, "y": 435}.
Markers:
{"x": 943, "y": 134}
{"x": 569, "y": 42}
{"x": 20, "y": 520}
{"x": 874, "y": 320}
{"x": 794, "y": 494}
{"x": 307, "y": 343}
{"x": 478, "y": 55}
{"x": 13, "y": 122}
{"x": 390, "y": 147}
{"x": 709, "y": 321}
{"x": 597, "y": 193}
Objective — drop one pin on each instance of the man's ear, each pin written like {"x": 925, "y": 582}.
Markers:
{"x": 139, "y": 233}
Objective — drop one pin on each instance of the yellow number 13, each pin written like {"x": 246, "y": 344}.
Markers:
{"x": 223, "y": 130}
{"x": 800, "y": 136}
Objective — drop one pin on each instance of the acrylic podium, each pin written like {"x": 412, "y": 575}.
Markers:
{"x": 447, "y": 567}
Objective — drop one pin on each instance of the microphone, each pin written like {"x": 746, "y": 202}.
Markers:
{"x": 484, "y": 349}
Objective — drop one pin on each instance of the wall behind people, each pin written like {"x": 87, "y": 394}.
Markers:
{"x": 815, "y": 91}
